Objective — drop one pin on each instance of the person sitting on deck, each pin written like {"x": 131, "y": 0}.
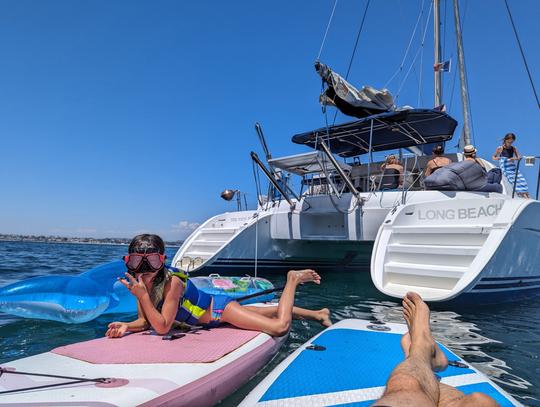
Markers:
{"x": 507, "y": 155}
{"x": 392, "y": 176}
{"x": 438, "y": 161}
{"x": 164, "y": 298}
{"x": 467, "y": 175}
{"x": 469, "y": 153}
{"x": 412, "y": 382}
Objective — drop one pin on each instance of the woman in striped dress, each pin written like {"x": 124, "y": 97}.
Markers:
{"x": 507, "y": 155}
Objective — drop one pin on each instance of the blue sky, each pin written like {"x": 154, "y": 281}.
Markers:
{"x": 126, "y": 116}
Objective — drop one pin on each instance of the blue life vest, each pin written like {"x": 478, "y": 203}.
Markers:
{"x": 193, "y": 304}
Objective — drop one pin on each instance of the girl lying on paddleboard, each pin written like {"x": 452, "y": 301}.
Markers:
{"x": 164, "y": 297}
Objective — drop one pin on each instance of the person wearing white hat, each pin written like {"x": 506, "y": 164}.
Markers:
{"x": 469, "y": 152}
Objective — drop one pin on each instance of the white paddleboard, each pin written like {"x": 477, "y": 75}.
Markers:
{"x": 138, "y": 372}
{"x": 349, "y": 364}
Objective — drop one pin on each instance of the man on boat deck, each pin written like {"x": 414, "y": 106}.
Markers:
{"x": 469, "y": 153}
{"x": 413, "y": 383}
{"x": 438, "y": 161}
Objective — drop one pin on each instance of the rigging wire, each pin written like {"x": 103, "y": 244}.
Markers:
{"x": 415, "y": 56}
{"x": 522, "y": 53}
{"x": 357, "y": 39}
{"x": 407, "y": 49}
{"x": 327, "y": 28}
{"x": 354, "y": 49}
{"x": 424, "y": 28}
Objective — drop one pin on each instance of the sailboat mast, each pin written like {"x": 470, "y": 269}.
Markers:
{"x": 462, "y": 77}
{"x": 437, "y": 43}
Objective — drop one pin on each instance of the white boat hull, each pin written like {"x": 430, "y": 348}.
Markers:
{"x": 478, "y": 250}
{"x": 314, "y": 234}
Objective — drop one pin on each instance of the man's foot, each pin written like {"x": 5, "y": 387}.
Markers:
{"x": 324, "y": 317}
{"x": 406, "y": 344}
{"x": 440, "y": 361}
{"x": 416, "y": 314}
{"x": 304, "y": 276}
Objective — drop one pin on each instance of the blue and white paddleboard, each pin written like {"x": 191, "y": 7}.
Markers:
{"x": 349, "y": 364}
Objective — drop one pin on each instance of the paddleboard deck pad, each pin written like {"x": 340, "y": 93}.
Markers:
{"x": 199, "y": 368}
{"x": 348, "y": 364}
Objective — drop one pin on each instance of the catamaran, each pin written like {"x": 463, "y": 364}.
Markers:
{"x": 444, "y": 244}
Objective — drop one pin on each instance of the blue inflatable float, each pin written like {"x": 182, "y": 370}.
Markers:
{"x": 77, "y": 299}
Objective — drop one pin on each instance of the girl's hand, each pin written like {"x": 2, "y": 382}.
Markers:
{"x": 116, "y": 329}
{"x": 135, "y": 286}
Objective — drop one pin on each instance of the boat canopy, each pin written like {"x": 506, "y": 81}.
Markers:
{"x": 391, "y": 130}
{"x": 306, "y": 163}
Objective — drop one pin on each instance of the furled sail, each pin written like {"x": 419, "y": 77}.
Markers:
{"x": 348, "y": 99}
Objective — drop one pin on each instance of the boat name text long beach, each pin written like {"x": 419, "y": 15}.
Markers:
{"x": 460, "y": 213}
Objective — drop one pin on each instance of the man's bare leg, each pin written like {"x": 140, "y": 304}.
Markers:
{"x": 439, "y": 362}
{"x": 448, "y": 395}
{"x": 452, "y": 397}
{"x": 412, "y": 383}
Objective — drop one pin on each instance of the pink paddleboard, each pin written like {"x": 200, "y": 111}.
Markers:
{"x": 198, "y": 369}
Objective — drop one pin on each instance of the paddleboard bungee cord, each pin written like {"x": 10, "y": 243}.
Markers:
{"x": 74, "y": 380}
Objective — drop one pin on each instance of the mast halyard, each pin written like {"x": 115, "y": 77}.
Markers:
{"x": 466, "y": 137}
{"x": 437, "y": 66}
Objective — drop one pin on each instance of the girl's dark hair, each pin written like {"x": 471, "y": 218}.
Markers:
{"x": 509, "y": 136}
{"x": 438, "y": 150}
{"x": 147, "y": 243}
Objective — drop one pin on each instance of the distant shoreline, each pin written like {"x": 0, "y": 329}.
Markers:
{"x": 73, "y": 240}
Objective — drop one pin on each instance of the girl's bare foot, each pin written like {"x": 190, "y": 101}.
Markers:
{"x": 324, "y": 317}
{"x": 416, "y": 314}
{"x": 304, "y": 276}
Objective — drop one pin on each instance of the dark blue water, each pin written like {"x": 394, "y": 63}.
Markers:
{"x": 501, "y": 341}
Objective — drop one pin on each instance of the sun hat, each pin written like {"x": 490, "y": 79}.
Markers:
{"x": 469, "y": 149}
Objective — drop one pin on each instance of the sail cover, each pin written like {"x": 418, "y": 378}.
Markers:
{"x": 348, "y": 99}
{"x": 389, "y": 131}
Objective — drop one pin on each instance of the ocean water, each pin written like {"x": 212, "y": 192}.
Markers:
{"x": 501, "y": 341}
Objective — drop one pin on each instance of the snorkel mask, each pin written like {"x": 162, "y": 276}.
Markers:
{"x": 146, "y": 254}
{"x": 144, "y": 262}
